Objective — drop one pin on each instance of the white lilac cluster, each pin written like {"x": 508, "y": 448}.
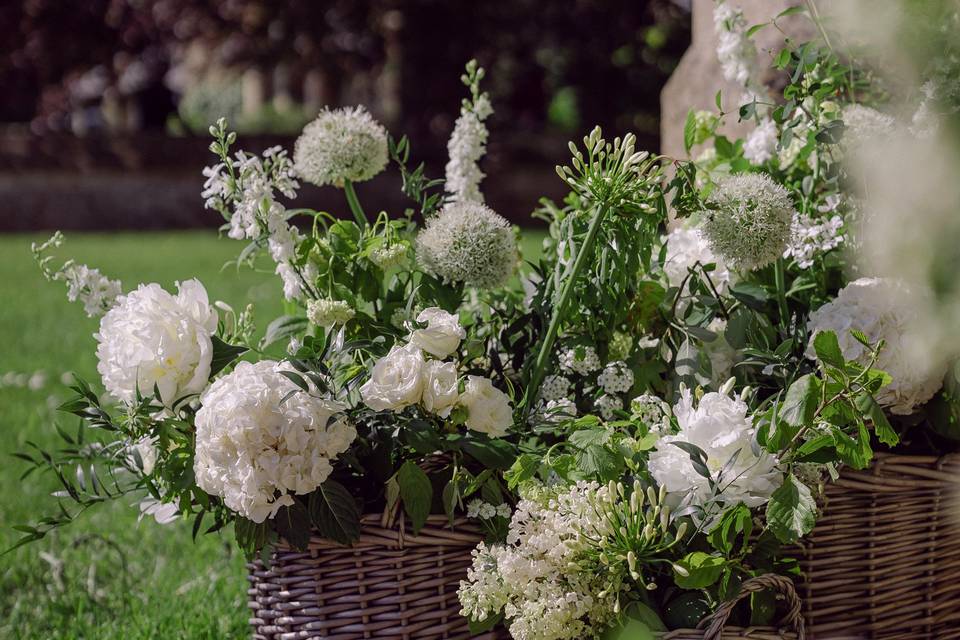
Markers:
{"x": 615, "y": 378}
{"x": 540, "y": 579}
{"x": 153, "y": 339}
{"x": 257, "y": 442}
{"x": 864, "y": 125}
{"x": 761, "y": 143}
{"x": 749, "y": 221}
{"x": 470, "y": 243}
{"x": 480, "y": 510}
{"x": 687, "y": 248}
{"x": 721, "y": 426}
{"x": 607, "y": 406}
{"x": 813, "y": 237}
{"x": 579, "y": 360}
{"x": 245, "y": 193}
{"x": 735, "y": 51}
{"x": 467, "y": 145}
{"x": 341, "y": 145}
{"x": 405, "y": 377}
{"x": 885, "y": 309}
{"x": 327, "y": 313}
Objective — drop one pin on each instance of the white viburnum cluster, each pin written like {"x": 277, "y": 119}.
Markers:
{"x": 721, "y": 426}
{"x": 554, "y": 387}
{"x": 405, "y": 377}
{"x": 607, "y": 406}
{"x": 341, "y": 145}
{"x": 615, "y": 378}
{"x": 480, "y": 510}
{"x": 735, "y": 51}
{"x": 813, "y": 237}
{"x": 390, "y": 255}
{"x": 470, "y": 243}
{"x": 885, "y": 309}
{"x": 687, "y": 248}
{"x": 579, "y": 360}
{"x": 153, "y": 339}
{"x": 749, "y": 221}
{"x": 327, "y": 313}
{"x": 538, "y": 579}
{"x": 467, "y": 145}
{"x": 761, "y": 143}
{"x": 257, "y": 443}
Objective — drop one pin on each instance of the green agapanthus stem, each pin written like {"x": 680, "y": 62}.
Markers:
{"x": 354, "y": 203}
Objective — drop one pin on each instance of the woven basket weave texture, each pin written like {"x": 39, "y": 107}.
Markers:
{"x": 883, "y": 562}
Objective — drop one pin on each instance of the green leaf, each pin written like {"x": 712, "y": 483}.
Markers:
{"x": 586, "y": 437}
{"x": 491, "y": 453}
{"x": 522, "y": 469}
{"x": 450, "y": 498}
{"x": 223, "y": 354}
{"x": 689, "y": 130}
{"x": 755, "y": 28}
{"x": 282, "y": 328}
{"x": 752, "y": 295}
{"x": 477, "y": 627}
{"x": 827, "y": 347}
{"x": 698, "y": 570}
{"x": 800, "y": 404}
{"x": 881, "y": 426}
{"x": 645, "y": 614}
{"x": 334, "y": 512}
{"x": 632, "y": 629}
{"x": 791, "y": 11}
{"x": 782, "y": 59}
{"x": 416, "y": 492}
{"x": 734, "y": 523}
{"x": 293, "y": 523}
{"x": 599, "y": 461}
{"x": 717, "y": 100}
{"x": 792, "y": 511}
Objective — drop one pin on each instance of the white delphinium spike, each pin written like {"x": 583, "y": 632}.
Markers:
{"x": 468, "y": 142}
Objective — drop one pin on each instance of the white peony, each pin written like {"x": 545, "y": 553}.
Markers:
{"x": 396, "y": 380}
{"x": 442, "y": 335}
{"x": 885, "y": 309}
{"x": 688, "y": 247}
{"x": 488, "y": 408}
{"x": 721, "y": 426}
{"x": 256, "y": 442}
{"x": 153, "y": 338}
{"x": 440, "y": 387}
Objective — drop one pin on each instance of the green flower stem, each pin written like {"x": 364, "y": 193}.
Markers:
{"x": 540, "y": 366}
{"x": 780, "y": 282}
{"x": 354, "y": 203}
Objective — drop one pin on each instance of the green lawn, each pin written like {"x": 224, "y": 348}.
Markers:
{"x": 108, "y": 576}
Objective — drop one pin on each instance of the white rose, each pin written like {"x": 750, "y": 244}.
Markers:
{"x": 442, "y": 335}
{"x": 396, "y": 380}
{"x": 488, "y": 408}
{"x": 440, "y": 392}
{"x": 153, "y": 338}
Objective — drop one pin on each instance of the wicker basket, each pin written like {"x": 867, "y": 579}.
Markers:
{"x": 884, "y": 559}
{"x": 390, "y": 584}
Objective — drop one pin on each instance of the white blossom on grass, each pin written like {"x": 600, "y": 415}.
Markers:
{"x": 885, "y": 309}
{"x": 749, "y": 221}
{"x": 488, "y": 408}
{"x": 88, "y": 286}
{"x": 721, "y": 426}
{"x": 341, "y": 145}
{"x": 468, "y": 242}
{"x": 152, "y": 338}
{"x": 257, "y": 442}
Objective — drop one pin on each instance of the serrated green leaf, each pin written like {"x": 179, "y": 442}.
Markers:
{"x": 827, "y": 348}
{"x": 800, "y": 403}
{"x": 792, "y": 511}
{"x": 689, "y": 130}
{"x": 416, "y": 493}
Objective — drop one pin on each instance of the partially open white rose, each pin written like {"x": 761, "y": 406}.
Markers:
{"x": 488, "y": 408}
{"x": 396, "y": 380}
{"x": 442, "y": 335}
{"x": 440, "y": 392}
{"x": 154, "y": 338}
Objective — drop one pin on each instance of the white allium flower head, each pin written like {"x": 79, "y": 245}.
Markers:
{"x": 468, "y": 242}
{"x": 488, "y": 408}
{"x": 685, "y": 248}
{"x": 722, "y": 427}
{"x": 885, "y": 309}
{"x": 256, "y": 443}
{"x": 761, "y": 143}
{"x": 340, "y": 145}
{"x": 441, "y": 336}
{"x": 616, "y": 378}
{"x": 326, "y": 312}
{"x": 580, "y": 360}
{"x": 153, "y": 338}
{"x": 750, "y": 220}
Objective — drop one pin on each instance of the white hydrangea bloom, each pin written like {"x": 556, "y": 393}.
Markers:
{"x": 813, "y": 237}
{"x": 721, "y": 426}
{"x": 327, "y": 313}
{"x": 616, "y": 378}
{"x": 554, "y": 387}
{"x": 750, "y": 221}
{"x": 152, "y": 338}
{"x": 580, "y": 360}
{"x": 468, "y": 144}
{"x": 468, "y": 242}
{"x": 488, "y": 408}
{"x": 341, "y": 145}
{"x": 607, "y": 406}
{"x": 396, "y": 380}
{"x": 885, "y": 309}
{"x": 440, "y": 387}
{"x": 687, "y": 248}
{"x": 441, "y": 336}
{"x": 761, "y": 143}
{"x": 256, "y": 444}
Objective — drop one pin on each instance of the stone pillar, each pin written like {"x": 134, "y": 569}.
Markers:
{"x": 698, "y": 77}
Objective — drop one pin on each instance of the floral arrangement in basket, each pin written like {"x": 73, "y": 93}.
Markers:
{"x": 640, "y": 418}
